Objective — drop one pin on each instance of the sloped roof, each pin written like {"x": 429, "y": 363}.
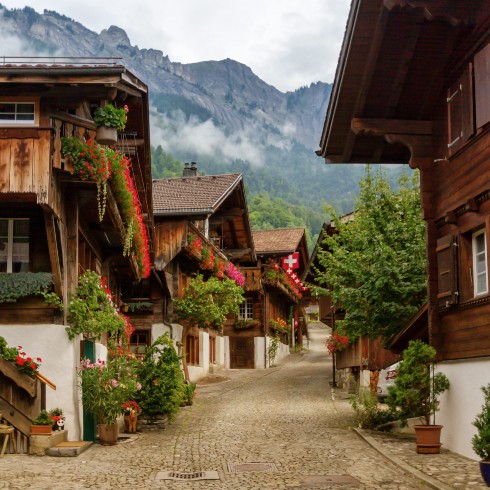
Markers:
{"x": 192, "y": 195}
{"x": 280, "y": 240}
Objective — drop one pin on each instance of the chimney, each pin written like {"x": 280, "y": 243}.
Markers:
{"x": 187, "y": 170}
{"x": 193, "y": 170}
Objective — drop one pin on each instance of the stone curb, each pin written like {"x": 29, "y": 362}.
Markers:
{"x": 431, "y": 482}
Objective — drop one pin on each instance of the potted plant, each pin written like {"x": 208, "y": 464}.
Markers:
{"x": 109, "y": 121}
{"x": 415, "y": 394}
{"x": 106, "y": 386}
{"x": 42, "y": 424}
{"x": 481, "y": 440}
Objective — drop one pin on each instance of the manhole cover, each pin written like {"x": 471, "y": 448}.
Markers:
{"x": 330, "y": 479}
{"x": 239, "y": 467}
{"x": 187, "y": 476}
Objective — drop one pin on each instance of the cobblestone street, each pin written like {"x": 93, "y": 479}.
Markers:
{"x": 285, "y": 416}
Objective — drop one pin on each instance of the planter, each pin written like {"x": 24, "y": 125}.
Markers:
{"x": 428, "y": 438}
{"x": 106, "y": 136}
{"x": 152, "y": 422}
{"x": 485, "y": 471}
{"x": 37, "y": 430}
{"x": 108, "y": 434}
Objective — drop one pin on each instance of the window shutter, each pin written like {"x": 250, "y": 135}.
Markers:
{"x": 447, "y": 254}
{"x": 460, "y": 111}
{"x": 482, "y": 86}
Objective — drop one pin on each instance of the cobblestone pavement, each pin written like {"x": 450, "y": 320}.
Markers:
{"x": 284, "y": 415}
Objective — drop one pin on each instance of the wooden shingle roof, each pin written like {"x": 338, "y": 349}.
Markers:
{"x": 278, "y": 241}
{"x": 192, "y": 195}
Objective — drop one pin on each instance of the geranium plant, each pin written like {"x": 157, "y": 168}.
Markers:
{"x": 337, "y": 343}
{"x": 24, "y": 363}
{"x": 131, "y": 408}
{"x": 111, "y": 117}
{"x": 279, "y": 325}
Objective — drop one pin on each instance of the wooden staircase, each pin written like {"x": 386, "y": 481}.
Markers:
{"x": 21, "y": 400}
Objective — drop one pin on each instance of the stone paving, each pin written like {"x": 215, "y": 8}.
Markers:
{"x": 284, "y": 415}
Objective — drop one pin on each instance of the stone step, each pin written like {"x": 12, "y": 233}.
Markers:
{"x": 68, "y": 448}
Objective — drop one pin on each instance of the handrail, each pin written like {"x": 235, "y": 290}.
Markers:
{"x": 45, "y": 380}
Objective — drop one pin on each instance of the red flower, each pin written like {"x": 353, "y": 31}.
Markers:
{"x": 20, "y": 361}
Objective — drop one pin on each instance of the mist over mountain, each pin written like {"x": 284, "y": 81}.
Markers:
{"x": 217, "y": 113}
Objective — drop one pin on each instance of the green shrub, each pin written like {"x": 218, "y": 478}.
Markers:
{"x": 43, "y": 419}
{"x": 481, "y": 440}
{"x": 189, "y": 392}
{"x": 22, "y": 284}
{"x": 162, "y": 381}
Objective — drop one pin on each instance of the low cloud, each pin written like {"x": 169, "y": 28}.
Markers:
{"x": 178, "y": 134}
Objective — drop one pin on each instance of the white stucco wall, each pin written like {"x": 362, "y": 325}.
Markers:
{"x": 60, "y": 358}
{"x": 220, "y": 351}
{"x": 365, "y": 378}
{"x": 159, "y": 329}
{"x": 462, "y": 402}
{"x": 227, "y": 352}
{"x": 260, "y": 346}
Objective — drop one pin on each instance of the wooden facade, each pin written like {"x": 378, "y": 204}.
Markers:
{"x": 49, "y": 213}
{"x": 412, "y": 87}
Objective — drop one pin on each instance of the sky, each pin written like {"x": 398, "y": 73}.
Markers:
{"x": 287, "y": 43}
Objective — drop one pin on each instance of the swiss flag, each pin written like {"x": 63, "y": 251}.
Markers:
{"x": 291, "y": 261}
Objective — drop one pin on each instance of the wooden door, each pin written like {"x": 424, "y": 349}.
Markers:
{"x": 242, "y": 352}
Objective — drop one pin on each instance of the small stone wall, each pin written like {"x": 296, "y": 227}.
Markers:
{"x": 151, "y": 422}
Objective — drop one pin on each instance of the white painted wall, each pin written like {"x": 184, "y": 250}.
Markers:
{"x": 365, "y": 378}
{"x": 462, "y": 402}
{"x": 220, "y": 351}
{"x": 159, "y": 329}
{"x": 260, "y": 346}
{"x": 60, "y": 358}
{"x": 227, "y": 352}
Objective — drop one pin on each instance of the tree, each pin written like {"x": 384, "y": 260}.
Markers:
{"x": 374, "y": 265}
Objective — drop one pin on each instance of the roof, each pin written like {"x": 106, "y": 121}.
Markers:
{"x": 192, "y": 195}
{"x": 280, "y": 240}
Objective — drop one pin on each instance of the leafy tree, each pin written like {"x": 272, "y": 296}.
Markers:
{"x": 374, "y": 266}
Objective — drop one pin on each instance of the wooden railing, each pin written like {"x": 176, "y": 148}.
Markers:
{"x": 21, "y": 400}
{"x": 253, "y": 278}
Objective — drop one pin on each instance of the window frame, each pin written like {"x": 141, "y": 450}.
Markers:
{"x": 474, "y": 254}
{"x": 4, "y": 123}
{"x": 10, "y": 242}
{"x": 246, "y": 310}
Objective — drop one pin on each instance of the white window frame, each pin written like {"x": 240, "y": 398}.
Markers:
{"x": 246, "y": 309}
{"x": 475, "y": 255}
{"x": 21, "y": 100}
{"x": 10, "y": 240}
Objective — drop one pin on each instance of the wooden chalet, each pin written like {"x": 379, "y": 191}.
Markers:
{"x": 365, "y": 357}
{"x": 270, "y": 294}
{"x": 49, "y": 219}
{"x": 413, "y": 86}
{"x": 208, "y": 213}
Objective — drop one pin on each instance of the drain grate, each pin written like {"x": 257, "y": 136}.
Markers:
{"x": 330, "y": 479}
{"x": 239, "y": 467}
{"x": 187, "y": 476}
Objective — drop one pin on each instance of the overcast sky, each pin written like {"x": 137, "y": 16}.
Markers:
{"x": 287, "y": 43}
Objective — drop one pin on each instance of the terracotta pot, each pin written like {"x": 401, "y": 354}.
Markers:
{"x": 108, "y": 434}
{"x": 41, "y": 430}
{"x": 485, "y": 471}
{"x": 428, "y": 438}
{"x": 106, "y": 136}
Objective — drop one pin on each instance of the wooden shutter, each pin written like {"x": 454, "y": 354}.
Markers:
{"x": 447, "y": 253}
{"x": 460, "y": 111}
{"x": 482, "y": 86}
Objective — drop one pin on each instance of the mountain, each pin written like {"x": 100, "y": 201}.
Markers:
{"x": 218, "y": 113}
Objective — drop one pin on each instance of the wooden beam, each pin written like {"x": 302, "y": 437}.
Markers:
{"x": 237, "y": 252}
{"x": 381, "y": 127}
{"x": 23, "y": 381}
{"x": 54, "y": 255}
{"x": 71, "y": 251}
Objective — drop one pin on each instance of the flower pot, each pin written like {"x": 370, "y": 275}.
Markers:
{"x": 108, "y": 434}
{"x": 106, "y": 136}
{"x": 130, "y": 421}
{"x": 428, "y": 438}
{"x": 485, "y": 471}
{"x": 37, "y": 430}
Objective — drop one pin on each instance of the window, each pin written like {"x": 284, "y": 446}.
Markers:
{"x": 246, "y": 310}
{"x": 19, "y": 112}
{"x": 140, "y": 340}
{"x": 14, "y": 245}
{"x": 480, "y": 274}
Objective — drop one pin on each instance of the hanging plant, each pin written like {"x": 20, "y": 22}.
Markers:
{"x": 111, "y": 117}
{"x": 90, "y": 162}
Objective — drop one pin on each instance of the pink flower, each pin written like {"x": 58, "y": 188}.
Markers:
{"x": 138, "y": 386}
{"x": 114, "y": 383}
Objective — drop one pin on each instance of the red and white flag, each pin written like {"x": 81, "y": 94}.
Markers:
{"x": 291, "y": 261}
